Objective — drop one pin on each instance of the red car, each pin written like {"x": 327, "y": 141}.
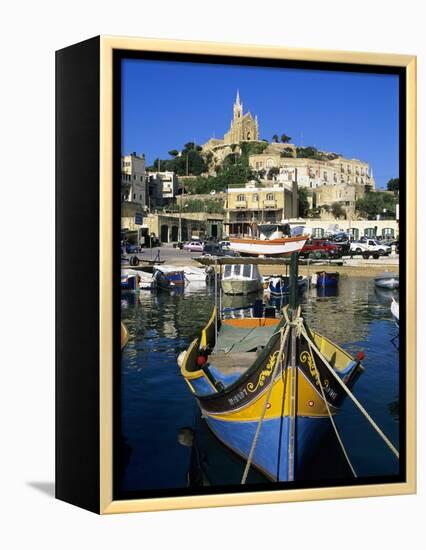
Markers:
{"x": 320, "y": 248}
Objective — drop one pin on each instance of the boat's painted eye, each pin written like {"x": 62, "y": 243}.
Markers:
{"x": 268, "y": 406}
{"x": 311, "y": 403}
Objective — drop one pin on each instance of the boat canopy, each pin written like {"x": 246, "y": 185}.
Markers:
{"x": 239, "y": 271}
{"x": 268, "y": 229}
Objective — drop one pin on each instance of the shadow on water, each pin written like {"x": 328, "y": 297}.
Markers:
{"x": 165, "y": 442}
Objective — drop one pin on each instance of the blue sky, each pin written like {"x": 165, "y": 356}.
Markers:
{"x": 166, "y": 104}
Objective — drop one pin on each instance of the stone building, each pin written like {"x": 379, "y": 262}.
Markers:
{"x": 263, "y": 203}
{"x": 313, "y": 173}
{"x": 133, "y": 184}
{"x": 343, "y": 193}
{"x": 162, "y": 188}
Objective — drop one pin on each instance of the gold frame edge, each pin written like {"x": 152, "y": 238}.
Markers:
{"x": 107, "y": 505}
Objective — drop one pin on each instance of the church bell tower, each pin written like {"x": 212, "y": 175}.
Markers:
{"x": 238, "y": 108}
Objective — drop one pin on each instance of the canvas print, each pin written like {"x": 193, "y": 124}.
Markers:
{"x": 260, "y": 282}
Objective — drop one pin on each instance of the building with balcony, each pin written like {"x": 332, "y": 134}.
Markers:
{"x": 313, "y": 173}
{"x": 256, "y": 202}
{"x": 162, "y": 188}
{"x": 133, "y": 179}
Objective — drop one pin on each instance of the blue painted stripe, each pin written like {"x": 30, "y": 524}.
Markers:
{"x": 271, "y": 452}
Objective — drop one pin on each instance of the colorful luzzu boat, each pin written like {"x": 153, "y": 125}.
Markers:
{"x": 271, "y": 406}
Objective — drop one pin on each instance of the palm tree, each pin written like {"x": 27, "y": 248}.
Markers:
{"x": 285, "y": 138}
{"x": 275, "y": 138}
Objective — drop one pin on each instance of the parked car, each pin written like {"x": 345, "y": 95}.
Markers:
{"x": 342, "y": 243}
{"x": 194, "y": 246}
{"x": 215, "y": 249}
{"x": 320, "y": 248}
{"x": 226, "y": 245}
{"x": 370, "y": 247}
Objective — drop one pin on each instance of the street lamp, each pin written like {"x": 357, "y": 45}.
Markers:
{"x": 182, "y": 195}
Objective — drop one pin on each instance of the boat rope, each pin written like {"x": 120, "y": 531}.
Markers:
{"x": 339, "y": 439}
{"x": 284, "y": 336}
{"x": 351, "y": 396}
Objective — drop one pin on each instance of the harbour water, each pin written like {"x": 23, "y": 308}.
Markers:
{"x": 159, "y": 412}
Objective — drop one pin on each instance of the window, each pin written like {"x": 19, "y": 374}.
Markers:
{"x": 237, "y": 270}
{"x": 255, "y": 197}
{"x": 354, "y": 232}
{"x": 388, "y": 232}
{"x": 228, "y": 270}
{"x": 369, "y": 232}
{"x": 134, "y": 196}
{"x": 318, "y": 233}
{"x": 240, "y": 198}
{"x": 247, "y": 270}
{"x": 269, "y": 163}
{"x": 270, "y": 197}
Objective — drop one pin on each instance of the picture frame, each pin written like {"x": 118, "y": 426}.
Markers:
{"x": 87, "y": 328}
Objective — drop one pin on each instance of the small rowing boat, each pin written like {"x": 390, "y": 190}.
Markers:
{"x": 327, "y": 279}
{"x": 269, "y": 240}
{"x": 387, "y": 280}
{"x": 279, "y": 285}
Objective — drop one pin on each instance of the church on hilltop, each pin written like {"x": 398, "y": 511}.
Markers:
{"x": 243, "y": 128}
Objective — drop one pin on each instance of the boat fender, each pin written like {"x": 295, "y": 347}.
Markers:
{"x": 360, "y": 356}
{"x": 201, "y": 360}
{"x": 181, "y": 358}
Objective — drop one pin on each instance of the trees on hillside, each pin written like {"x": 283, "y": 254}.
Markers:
{"x": 377, "y": 203}
{"x": 337, "y": 210}
{"x": 393, "y": 185}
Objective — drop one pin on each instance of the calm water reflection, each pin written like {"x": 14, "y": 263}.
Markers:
{"x": 157, "y": 403}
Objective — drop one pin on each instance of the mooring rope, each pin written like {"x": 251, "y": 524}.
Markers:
{"x": 352, "y": 397}
{"x": 265, "y": 406}
{"x": 339, "y": 439}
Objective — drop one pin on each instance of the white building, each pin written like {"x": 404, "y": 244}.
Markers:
{"x": 166, "y": 184}
{"x": 314, "y": 173}
{"x": 133, "y": 179}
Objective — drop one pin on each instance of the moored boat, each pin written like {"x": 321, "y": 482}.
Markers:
{"x": 241, "y": 279}
{"x": 129, "y": 280}
{"x": 167, "y": 279}
{"x": 268, "y": 240}
{"x": 279, "y": 285}
{"x": 265, "y": 389}
{"x": 327, "y": 279}
{"x": 395, "y": 311}
{"x": 124, "y": 335}
{"x": 387, "y": 280}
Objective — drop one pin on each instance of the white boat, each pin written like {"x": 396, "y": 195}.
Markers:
{"x": 269, "y": 240}
{"x": 146, "y": 281}
{"x": 195, "y": 274}
{"x": 240, "y": 279}
{"x": 387, "y": 280}
{"x": 395, "y": 310}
